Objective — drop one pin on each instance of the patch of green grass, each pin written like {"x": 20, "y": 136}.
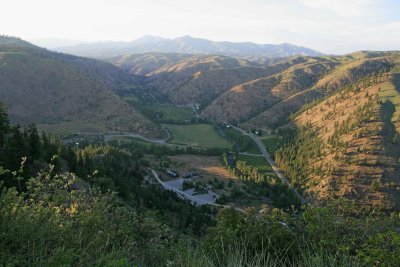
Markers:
{"x": 197, "y": 135}
{"x": 259, "y": 162}
{"x": 171, "y": 113}
{"x": 242, "y": 142}
{"x": 271, "y": 143}
{"x": 133, "y": 140}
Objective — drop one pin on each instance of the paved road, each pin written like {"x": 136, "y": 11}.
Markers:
{"x": 270, "y": 161}
{"x": 108, "y": 137}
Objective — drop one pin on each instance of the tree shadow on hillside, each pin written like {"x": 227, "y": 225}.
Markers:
{"x": 396, "y": 81}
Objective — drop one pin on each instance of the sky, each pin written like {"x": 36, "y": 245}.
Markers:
{"x": 329, "y": 26}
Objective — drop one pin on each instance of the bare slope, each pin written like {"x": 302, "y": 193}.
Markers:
{"x": 46, "y": 88}
{"x": 257, "y": 95}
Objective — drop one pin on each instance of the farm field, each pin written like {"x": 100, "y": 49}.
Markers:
{"x": 196, "y": 135}
{"x": 258, "y": 162}
{"x": 172, "y": 113}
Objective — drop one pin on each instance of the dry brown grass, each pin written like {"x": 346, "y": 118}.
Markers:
{"x": 209, "y": 167}
{"x": 364, "y": 169}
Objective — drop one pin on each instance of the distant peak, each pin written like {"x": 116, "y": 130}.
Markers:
{"x": 188, "y": 37}
{"x": 148, "y": 39}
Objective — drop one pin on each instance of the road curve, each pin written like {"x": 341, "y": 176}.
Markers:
{"x": 271, "y": 162}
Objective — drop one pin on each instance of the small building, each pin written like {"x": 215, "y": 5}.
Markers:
{"x": 172, "y": 173}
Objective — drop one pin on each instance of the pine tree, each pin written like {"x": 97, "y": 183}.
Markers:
{"x": 16, "y": 148}
{"x": 33, "y": 142}
{"x": 4, "y": 124}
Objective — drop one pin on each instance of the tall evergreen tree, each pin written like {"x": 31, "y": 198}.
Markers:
{"x": 33, "y": 142}
{"x": 16, "y": 147}
{"x": 4, "y": 124}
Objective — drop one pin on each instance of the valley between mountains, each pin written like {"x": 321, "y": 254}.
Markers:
{"x": 188, "y": 152}
{"x": 331, "y": 122}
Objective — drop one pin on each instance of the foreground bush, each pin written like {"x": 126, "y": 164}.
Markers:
{"x": 54, "y": 223}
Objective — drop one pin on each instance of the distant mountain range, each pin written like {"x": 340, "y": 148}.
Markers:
{"x": 188, "y": 45}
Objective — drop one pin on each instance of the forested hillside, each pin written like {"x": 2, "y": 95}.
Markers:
{"x": 346, "y": 145}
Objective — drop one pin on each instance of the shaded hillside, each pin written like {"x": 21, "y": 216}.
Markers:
{"x": 347, "y": 70}
{"x": 256, "y": 96}
{"x": 269, "y": 101}
{"x": 167, "y": 79}
{"x": 60, "y": 92}
{"x": 204, "y": 86}
{"x": 347, "y": 144}
{"x": 143, "y": 64}
{"x": 189, "y": 79}
{"x": 107, "y": 74}
{"x": 189, "y": 45}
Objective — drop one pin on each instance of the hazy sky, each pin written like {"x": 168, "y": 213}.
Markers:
{"x": 330, "y": 26}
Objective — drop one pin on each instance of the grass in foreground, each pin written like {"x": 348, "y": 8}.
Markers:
{"x": 197, "y": 135}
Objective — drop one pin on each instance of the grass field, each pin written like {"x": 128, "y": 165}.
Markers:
{"x": 259, "y": 162}
{"x": 271, "y": 143}
{"x": 199, "y": 135}
{"x": 171, "y": 113}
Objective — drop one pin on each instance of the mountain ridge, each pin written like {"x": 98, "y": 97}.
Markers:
{"x": 187, "y": 44}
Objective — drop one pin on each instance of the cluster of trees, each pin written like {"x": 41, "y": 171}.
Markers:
{"x": 19, "y": 144}
{"x": 242, "y": 142}
{"x": 296, "y": 156}
{"x": 362, "y": 114}
{"x": 243, "y": 170}
{"x": 160, "y": 151}
{"x": 258, "y": 184}
{"x": 303, "y": 147}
